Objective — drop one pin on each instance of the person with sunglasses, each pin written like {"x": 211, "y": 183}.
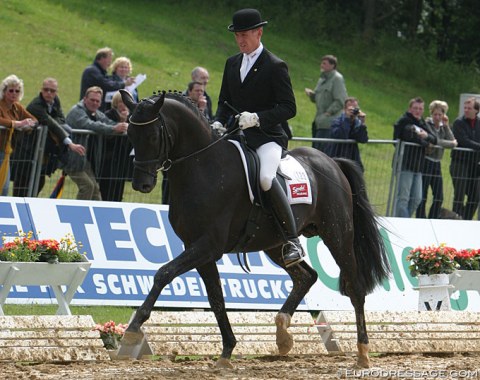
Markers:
{"x": 13, "y": 116}
{"x": 46, "y": 107}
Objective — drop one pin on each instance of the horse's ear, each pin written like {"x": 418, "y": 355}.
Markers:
{"x": 128, "y": 100}
{"x": 159, "y": 102}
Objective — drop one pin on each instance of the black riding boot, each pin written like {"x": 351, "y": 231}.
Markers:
{"x": 292, "y": 250}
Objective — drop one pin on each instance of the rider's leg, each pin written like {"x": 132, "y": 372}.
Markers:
{"x": 270, "y": 155}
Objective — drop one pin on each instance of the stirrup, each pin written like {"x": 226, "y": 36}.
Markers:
{"x": 292, "y": 253}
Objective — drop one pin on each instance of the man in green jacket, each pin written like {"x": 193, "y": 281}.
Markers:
{"x": 329, "y": 96}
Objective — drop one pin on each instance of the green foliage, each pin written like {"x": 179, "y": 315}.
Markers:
{"x": 468, "y": 259}
{"x": 166, "y": 39}
{"x": 432, "y": 260}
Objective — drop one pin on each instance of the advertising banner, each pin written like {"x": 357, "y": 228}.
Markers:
{"x": 127, "y": 243}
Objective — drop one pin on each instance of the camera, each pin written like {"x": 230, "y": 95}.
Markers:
{"x": 417, "y": 129}
{"x": 355, "y": 111}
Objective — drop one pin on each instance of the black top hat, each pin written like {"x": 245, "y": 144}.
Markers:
{"x": 246, "y": 19}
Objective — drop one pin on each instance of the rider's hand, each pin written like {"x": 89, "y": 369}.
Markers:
{"x": 248, "y": 120}
{"x": 217, "y": 126}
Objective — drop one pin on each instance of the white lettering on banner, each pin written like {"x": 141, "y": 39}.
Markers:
{"x": 145, "y": 283}
{"x": 128, "y": 283}
{"x": 235, "y": 286}
{"x": 111, "y": 281}
{"x": 250, "y": 288}
{"x": 262, "y": 286}
{"x": 99, "y": 283}
{"x": 277, "y": 289}
{"x": 178, "y": 287}
{"x": 127, "y": 243}
{"x": 193, "y": 288}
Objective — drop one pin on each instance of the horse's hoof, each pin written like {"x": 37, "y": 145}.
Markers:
{"x": 363, "y": 361}
{"x": 132, "y": 338}
{"x": 284, "y": 338}
{"x": 223, "y": 363}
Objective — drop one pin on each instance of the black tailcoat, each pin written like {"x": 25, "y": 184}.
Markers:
{"x": 266, "y": 90}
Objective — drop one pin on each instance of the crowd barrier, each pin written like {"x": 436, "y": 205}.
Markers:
{"x": 113, "y": 164}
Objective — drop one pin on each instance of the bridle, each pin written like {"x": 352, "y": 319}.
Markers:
{"x": 164, "y": 162}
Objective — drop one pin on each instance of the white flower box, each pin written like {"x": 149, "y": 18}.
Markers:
{"x": 70, "y": 275}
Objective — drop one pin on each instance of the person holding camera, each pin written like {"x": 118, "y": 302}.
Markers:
{"x": 411, "y": 128}
{"x": 350, "y": 125}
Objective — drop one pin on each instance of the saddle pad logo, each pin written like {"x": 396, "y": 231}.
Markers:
{"x": 299, "y": 190}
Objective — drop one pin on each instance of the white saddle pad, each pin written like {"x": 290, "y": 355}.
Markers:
{"x": 298, "y": 187}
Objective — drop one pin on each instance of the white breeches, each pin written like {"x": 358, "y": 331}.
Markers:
{"x": 270, "y": 155}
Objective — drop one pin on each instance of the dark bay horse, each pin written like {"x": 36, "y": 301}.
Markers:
{"x": 209, "y": 207}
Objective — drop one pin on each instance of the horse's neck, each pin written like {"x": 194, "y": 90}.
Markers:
{"x": 189, "y": 135}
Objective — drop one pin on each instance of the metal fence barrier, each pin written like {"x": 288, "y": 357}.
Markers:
{"x": 35, "y": 171}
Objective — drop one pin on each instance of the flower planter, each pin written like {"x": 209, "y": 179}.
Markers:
{"x": 433, "y": 292}
{"x": 465, "y": 280}
{"x": 37, "y": 273}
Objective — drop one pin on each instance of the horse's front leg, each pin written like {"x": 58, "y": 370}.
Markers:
{"x": 211, "y": 278}
{"x": 303, "y": 277}
{"x": 188, "y": 260}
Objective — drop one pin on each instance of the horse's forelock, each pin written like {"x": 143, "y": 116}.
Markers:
{"x": 146, "y": 109}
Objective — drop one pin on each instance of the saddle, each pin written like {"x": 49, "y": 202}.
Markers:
{"x": 252, "y": 163}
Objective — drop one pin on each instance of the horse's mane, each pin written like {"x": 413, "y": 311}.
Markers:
{"x": 185, "y": 100}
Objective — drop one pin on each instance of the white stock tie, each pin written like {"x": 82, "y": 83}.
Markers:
{"x": 246, "y": 63}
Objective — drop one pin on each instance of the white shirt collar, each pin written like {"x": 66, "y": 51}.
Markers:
{"x": 255, "y": 54}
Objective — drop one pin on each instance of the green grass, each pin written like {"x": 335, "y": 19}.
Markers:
{"x": 166, "y": 39}
{"x": 118, "y": 314}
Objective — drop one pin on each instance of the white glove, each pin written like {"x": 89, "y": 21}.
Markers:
{"x": 217, "y": 126}
{"x": 248, "y": 120}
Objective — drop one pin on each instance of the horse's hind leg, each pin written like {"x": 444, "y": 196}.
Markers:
{"x": 303, "y": 278}
{"x": 343, "y": 253}
{"x": 211, "y": 278}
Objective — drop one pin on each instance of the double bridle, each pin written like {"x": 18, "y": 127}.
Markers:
{"x": 162, "y": 159}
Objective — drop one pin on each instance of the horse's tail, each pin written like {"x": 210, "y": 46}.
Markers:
{"x": 372, "y": 261}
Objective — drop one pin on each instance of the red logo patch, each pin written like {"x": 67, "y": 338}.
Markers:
{"x": 299, "y": 190}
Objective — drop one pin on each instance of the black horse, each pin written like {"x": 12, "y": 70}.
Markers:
{"x": 210, "y": 205}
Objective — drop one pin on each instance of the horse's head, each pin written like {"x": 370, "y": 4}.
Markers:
{"x": 145, "y": 131}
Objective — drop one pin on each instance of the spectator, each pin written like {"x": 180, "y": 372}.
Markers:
{"x": 96, "y": 75}
{"x": 432, "y": 169}
{"x": 116, "y": 163}
{"x": 14, "y": 117}
{"x": 86, "y": 115}
{"x": 257, "y": 83}
{"x": 121, "y": 69}
{"x": 350, "y": 125}
{"x": 464, "y": 166}
{"x": 200, "y": 74}
{"x": 46, "y": 107}
{"x": 411, "y": 128}
{"x": 329, "y": 96}
{"x": 196, "y": 92}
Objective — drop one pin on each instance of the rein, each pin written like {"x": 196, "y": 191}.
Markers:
{"x": 167, "y": 163}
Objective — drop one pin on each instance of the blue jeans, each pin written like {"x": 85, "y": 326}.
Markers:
{"x": 431, "y": 177}
{"x": 409, "y": 193}
{"x": 6, "y": 185}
